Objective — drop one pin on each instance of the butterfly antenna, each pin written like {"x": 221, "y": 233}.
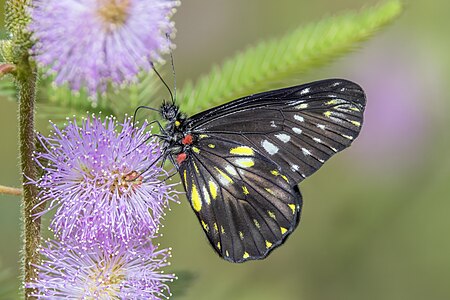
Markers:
{"x": 162, "y": 80}
{"x": 173, "y": 72}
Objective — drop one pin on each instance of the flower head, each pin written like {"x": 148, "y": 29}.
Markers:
{"x": 102, "y": 180}
{"x": 72, "y": 271}
{"x": 93, "y": 42}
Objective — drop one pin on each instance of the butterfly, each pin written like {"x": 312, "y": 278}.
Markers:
{"x": 241, "y": 162}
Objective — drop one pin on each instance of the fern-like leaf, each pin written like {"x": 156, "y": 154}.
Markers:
{"x": 271, "y": 62}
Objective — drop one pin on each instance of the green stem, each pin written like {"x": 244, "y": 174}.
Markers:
{"x": 26, "y": 81}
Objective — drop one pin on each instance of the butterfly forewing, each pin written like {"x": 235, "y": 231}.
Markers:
{"x": 297, "y": 128}
{"x": 247, "y": 157}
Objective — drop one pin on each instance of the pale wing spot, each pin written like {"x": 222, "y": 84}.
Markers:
{"x": 242, "y": 150}
{"x": 269, "y": 147}
{"x": 295, "y": 168}
{"x": 224, "y": 178}
{"x": 231, "y": 170}
{"x": 302, "y": 106}
{"x": 299, "y": 118}
{"x": 195, "y": 198}
{"x": 246, "y": 255}
{"x": 297, "y": 130}
{"x": 241, "y": 235}
{"x": 213, "y": 189}
{"x": 321, "y": 160}
{"x": 304, "y": 91}
{"x": 283, "y": 230}
{"x": 348, "y": 137}
{"x": 283, "y": 137}
{"x": 306, "y": 151}
{"x": 268, "y": 244}
{"x": 245, "y": 162}
{"x": 317, "y": 140}
{"x": 334, "y": 149}
{"x": 272, "y": 124}
{"x": 332, "y": 102}
{"x": 269, "y": 191}
{"x": 226, "y": 253}
{"x": 321, "y": 126}
{"x": 206, "y": 195}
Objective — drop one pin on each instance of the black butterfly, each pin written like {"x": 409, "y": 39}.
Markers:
{"x": 241, "y": 162}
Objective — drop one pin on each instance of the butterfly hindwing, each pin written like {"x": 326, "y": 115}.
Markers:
{"x": 247, "y": 206}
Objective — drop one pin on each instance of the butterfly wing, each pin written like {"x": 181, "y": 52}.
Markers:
{"x": 244, "y": 204}
{"x": 298, "y": 128}
{"x": 242, "y": 173}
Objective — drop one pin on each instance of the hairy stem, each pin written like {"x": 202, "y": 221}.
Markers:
{"x": 26, "y": 82}
{"x": 10, "y": 191}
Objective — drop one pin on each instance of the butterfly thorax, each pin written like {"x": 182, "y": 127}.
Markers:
{"x": 177, "y": 135}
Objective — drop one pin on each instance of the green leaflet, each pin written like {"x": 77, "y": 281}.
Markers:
{"x": 269, "y": 62}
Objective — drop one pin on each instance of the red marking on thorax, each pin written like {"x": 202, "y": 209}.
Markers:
{"x": 181, "y": 157}
{"x": 187, "y": 140}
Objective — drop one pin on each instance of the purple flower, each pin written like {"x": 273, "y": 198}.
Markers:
{"x": 114, "y": 271}
{"x": 102, "y": 180}
{"x": 91, "y": 42}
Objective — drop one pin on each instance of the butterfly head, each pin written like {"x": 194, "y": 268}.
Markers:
{"x": 169, "y": 111}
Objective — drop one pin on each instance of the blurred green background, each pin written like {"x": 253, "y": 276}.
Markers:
{"x": 375, "y": 218}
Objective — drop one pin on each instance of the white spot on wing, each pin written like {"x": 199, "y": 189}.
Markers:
{"x": 321, "y": 126}
{"x": 269, "y": 147}
{"x": 317, "y": 140}
{"x": 306, "y": 151}
{"x": 283, "y": 137}
{"x": 297, "y": 130}
{"x": 295, "y": 168}
{"x": 304, "y": 91}
{"x": 302, "y": 106}
{"x": 299, "y": 118}
{"x": 231, "y": 170}
{"x": 272, "y": 124}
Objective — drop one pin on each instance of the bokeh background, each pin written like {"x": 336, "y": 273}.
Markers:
{"x": 376, "y": 217}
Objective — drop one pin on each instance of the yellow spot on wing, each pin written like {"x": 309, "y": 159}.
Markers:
{"x": 356, "y": 123}
{"x": 302, "y": 106}
{"x": 245, "y": 162}
{"x": 177, "y": 123}
{"x": 212, "y": 146}
{"x": 241, "y": 235}
{"x": 268, "y": 244}
{"x": 245, "y": 190}
{"x": 246, "y": 255}
{"x": 202, "y": 136}
{"x": 276, "y": 173}
{"x": 218, "y": 245}
{"x": 256, "y": 223}
{"x": 205, "y": 226}
{"x": 293, "y": 207}
{"x": 215, "y": 227}
{"x": 226, "y": 253}
{"x": 332, "y": 102}
{"x": 196, "y": 150}
{"x": 269, "y": 191}
{"x": 354, "y": 108}
{"x": 213, "y": 189}
{"x": 196, "y": 168}
{"x": 283, "y": 230}
{"x": 222, "y": 230}
{"x": 327, "y": 114}
{"x": 185, "y": 177}
{"x": 195, "y": 198}
{"x": 271, "y": 214}
{"x": 242, "y": 150}
{"x": 224, "y": 175}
